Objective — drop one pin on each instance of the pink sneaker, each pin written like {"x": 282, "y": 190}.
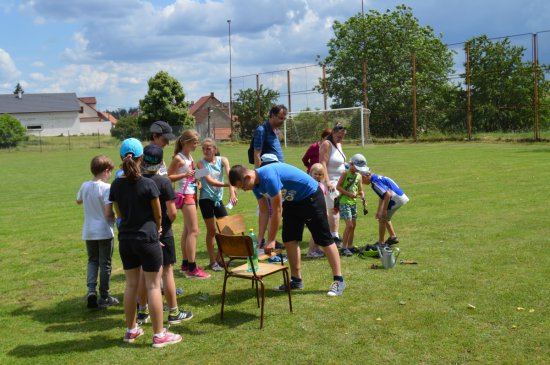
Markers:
{"x": 198, "y": 273}
{"x": 131, "y": 336}
{"x": 169, "y": 338}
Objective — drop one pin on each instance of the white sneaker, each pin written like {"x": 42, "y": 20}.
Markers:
{"x": 314, "y": 255}
{"x": 336, "y": 288}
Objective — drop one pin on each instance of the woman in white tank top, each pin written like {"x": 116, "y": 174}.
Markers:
{"x": 333, "y": 159}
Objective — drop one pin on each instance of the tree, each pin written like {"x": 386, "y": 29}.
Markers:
{"x": 18, "y": 89}
{"x": 127, "y": 126}
{"x": 387, "y": 42}
{"x": 11, "y": 131}
{"x": 165, "y": 100}
{"x": 502, "y": 86}
{"x": 245, "y": 106}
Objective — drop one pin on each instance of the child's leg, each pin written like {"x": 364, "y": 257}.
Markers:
{"x": 391, "y": 231}
{"x": 381, "y": 230}
{"x": 92, "y": 247}
{"x": 169, "y": 286}
{"x": 294, "y": 258}
{"x": 141, "y": 290}
{"x": 154, "y": 296}
{"x": 346, "y": 242}
{"x": 331, "y": 252}
{"x": 351, "y": 232}
{"x": 130, "y": 292}
{"x": 105, "y": 255}
{"x": 210, "y": 237}
{"x": 190, "y": 230}
{"x": 312, "y": 247}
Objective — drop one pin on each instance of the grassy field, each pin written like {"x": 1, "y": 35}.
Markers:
{"x": 477, "y": 224}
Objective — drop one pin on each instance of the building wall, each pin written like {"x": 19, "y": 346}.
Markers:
{"x": 95, "y": 127}
{"x": 50, "y": 124}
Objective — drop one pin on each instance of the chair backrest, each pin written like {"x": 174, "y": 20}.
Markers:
{"x": 231, "y": 224}
{"x": 235, "y": 245}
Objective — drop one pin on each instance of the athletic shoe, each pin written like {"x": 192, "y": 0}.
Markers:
{"x": 198, "y": 273}
{"x": 181, "y": 316}
{"x": 279, "y": 245}
{"x": 338, "y": 241}
{"x": 215, "y": 267}
{"x": 314, "y": 254}
{"x": 143, "y": 317}
{"x": 107, "y": 302}
{"x": 336, "y": 288}
{"x": 353, "y": 249}
{"x": 131, "y": 337}
{"x": 92, "y": 300}
{"x": 169, "y": 338}
{"x": 184, "y": 269}
{"x": 294, "y": 285}
{"x": 346, "y": 252}
{"x": 392, "y": 241}
{"x": 179, "y": 291}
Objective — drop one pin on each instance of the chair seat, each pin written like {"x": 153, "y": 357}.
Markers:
{"x": 264, "y": 269}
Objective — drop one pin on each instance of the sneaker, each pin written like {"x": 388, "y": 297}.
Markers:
{"x": 179, "y": 291}
{"x": 294, "y": 285}
{"x": 107, "y": 302}
{"x": 92, "y": 300}
{"x": 131, "y": 337}
{"x": 181, "y": 316}
{"x": 169, "y": 338}
{"x": 279, "y": 245}
{"x": 184, "y": 269}
{"x": 392, "y": 241}
{"x": 198, "y": 273}
{"x": 346, "y": 252}
{"x": 338, "y": 242}
{"x": 215, "y": 267}
{"x": 353, "y": 249}
{"x": 314, "y": 254}
{"x": 142, "y": 318}
{"x": 336, "y": 288}
{"x": 277, "y": 259}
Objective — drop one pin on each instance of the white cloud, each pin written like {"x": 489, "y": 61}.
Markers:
{"x": 8, "y": 70}
{"x": 38, "y": 64}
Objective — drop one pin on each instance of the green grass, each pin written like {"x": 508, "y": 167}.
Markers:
{"x": 477, "y": 224}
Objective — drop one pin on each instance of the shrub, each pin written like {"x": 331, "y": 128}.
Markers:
{"x": 11, "y": 131}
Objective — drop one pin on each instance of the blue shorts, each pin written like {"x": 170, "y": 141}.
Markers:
{"x": 348, "y": 211}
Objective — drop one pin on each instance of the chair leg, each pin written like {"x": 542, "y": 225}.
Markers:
{"x": 257, "y": 293}
{"x": 263, "y": 301}
{"x": 287, "y": 282}
{"x": 223, "y": 295}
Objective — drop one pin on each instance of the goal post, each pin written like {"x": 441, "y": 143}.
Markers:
{"x": 306, "y": 126}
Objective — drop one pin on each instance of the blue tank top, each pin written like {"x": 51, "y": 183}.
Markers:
{"x": 215, "y": 171}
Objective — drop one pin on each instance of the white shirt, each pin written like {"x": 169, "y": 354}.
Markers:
{"x": 95, "y": 195}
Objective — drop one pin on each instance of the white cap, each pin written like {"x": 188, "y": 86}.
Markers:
{"x": 360, "y": 163}
{"x": 269, "y": 157}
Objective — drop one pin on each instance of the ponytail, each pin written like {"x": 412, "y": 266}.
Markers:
{"x": 131, "y": 168}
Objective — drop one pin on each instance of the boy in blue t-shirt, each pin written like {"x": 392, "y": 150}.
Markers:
{"x": 298, "y": 198}
{"x": 392, "y": 198}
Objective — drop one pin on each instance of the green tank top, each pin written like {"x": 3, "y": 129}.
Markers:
{"x": 351, "y": 184}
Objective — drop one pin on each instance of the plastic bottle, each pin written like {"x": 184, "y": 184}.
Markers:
{"x": 255, "y": 254}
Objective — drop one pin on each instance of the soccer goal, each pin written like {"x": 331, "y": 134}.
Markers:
{"x": 305, "y": 127}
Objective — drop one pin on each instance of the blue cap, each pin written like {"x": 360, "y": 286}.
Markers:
{"x": 131, "y": 146}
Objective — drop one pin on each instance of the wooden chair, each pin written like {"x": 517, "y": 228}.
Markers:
{"x": 231, "y": 225}
{"x": 239, "y": 246}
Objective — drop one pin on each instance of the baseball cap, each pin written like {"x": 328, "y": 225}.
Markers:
{"x": 360, "y": 163}
{"x": 131, "y": 146}
{"x": 161, "y": 127}
{"x": 152, "y": 158}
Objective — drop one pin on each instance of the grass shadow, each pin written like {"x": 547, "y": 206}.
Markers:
{"x": 233, "y": 318}
{"x": 65, "y": 347}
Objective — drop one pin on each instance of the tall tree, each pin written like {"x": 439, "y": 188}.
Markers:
{"x": 165, "y": 100}
{"x": 18, "y": 89}
{"x": 245, "y": 106}
{"x": 502, "y": 86}
{"x": 11, "y": 131}
{"x": 387, "y": 41}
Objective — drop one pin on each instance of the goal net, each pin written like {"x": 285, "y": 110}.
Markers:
{"x": 305, "y": 127}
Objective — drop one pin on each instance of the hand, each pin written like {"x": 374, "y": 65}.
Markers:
{"x": 269, "y": 248}
{"x": 330, "y": 187}
{"x": 161, "y": 244}
{"x": 190, "y": 173}
{"x": 233, "y": 200}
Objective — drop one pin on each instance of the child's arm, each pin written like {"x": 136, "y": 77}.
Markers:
{"x": 176, "y": 163}
{"x": 171, "y": 210}
{"x": 340, "y": 184}
{"x": 232, "y": 190}
{"x": 109, "y": 214}
{"x": 360, "y": 190}
{"x": 157, "y": 214}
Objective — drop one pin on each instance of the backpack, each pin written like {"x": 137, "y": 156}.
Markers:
{"x": 251, "y": 147}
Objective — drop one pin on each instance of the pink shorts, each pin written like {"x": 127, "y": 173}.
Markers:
{"x": 189, "y": 199}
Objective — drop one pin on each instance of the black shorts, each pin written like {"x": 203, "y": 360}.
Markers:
{"x": 136, "y": 253}
{"x": 209, "y": 209}
{"x": 312, "y": 212}
{"x": 168, "y": 250}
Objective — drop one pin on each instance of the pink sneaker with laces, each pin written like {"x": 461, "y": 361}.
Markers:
{"x": 131, "y": 336}
{"x": 169, "y": 338}
{"x": 198, "y": 273}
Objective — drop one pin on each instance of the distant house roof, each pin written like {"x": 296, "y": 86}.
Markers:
{"x": 88, "y": 100}
{"x": 38, "y": 103}
{"x": 108, "y": 116}
{"x": 196, "y": 106}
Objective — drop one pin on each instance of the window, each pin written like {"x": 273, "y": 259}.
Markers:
{"x": 34, "y": 127}
{"x": 81, "y": 109}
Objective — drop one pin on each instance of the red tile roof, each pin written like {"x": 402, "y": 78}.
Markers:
{"x": 88, "y": 100}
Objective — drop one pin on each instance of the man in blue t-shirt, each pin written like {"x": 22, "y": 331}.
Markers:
{"x": 266, "y": 136}
{"x": 298, "y": 198}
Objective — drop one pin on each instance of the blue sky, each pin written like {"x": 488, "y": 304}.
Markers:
{"x": 109, "y": 49}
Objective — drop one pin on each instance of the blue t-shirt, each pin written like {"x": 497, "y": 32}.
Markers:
{"x": 294, "y": 184}
{"x": 381, "y": 184}
{"x": 271, "y": 145}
